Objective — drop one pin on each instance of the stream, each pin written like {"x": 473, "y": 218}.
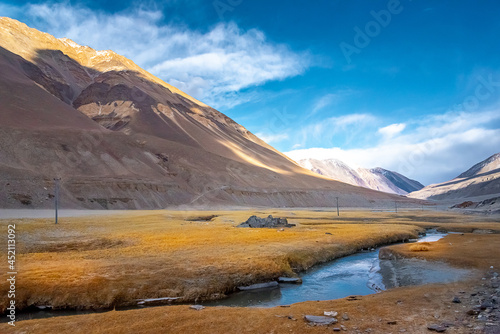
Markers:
{"x": 358, "y": 274}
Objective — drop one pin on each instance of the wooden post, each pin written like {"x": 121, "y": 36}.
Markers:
{"x": 338, "y": 212}
{"x": 57, "y": 197}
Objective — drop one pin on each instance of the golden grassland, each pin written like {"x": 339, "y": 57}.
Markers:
{"x": 106, "y": 261}
{"x": 480, "y": 251}
{"x": 114, "y": 260}
{"x": 410, "y": 308}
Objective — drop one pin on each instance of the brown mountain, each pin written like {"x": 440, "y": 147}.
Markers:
{"x": 118, "y": 137}
{"x": 479, "y": 182}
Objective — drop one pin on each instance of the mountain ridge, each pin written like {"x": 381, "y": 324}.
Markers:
{"x": 479, "y": 181}
{"x": 375, "y": 178}
{"x": 121, "y": 138}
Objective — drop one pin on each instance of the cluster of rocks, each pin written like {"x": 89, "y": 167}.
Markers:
{"x": 483, "y": 309}
{"x": 269, "y": 222}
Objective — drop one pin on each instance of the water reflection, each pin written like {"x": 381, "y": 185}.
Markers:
{"x": 358, "y": 274}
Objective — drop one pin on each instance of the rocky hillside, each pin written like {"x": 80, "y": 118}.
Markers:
{"x": 481, "y": 180}
{"x": 486, "y": 166}
{"x": 118, "y": 137}
{"x": 376, "y": 178}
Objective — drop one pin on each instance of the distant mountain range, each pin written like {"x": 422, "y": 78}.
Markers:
{"x": 375, "y": 178}
{"x": 481, "y": 180}
{"x": 121, "y": 138}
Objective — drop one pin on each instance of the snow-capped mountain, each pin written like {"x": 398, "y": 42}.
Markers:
{"x": 376, "y": 178}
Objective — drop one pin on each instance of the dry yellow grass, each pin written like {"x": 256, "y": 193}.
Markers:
{"x": 466, "y": 250}
{"x": 420, "y": 247}
{"x": 115, "y": 260}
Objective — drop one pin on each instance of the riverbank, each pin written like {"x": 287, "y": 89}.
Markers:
{"x": 89, "y": 262}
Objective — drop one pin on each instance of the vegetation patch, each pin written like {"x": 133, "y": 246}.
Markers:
{"x": 420, "y": 247}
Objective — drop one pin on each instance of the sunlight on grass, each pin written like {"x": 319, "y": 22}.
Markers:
{"x": 114, "y": 260}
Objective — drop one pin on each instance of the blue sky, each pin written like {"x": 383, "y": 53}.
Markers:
{"x": 411, "y": 86}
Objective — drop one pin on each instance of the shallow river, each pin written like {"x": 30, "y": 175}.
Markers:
{"x": 358, "y": 274}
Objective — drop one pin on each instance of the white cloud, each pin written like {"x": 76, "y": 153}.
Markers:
{"x": 213, "y": 66}
{"x": 272, "y": 138}
{"x": 436, "y": 149}
{"x": 326, "y": 131}
{"x": 391, "y": 130}
{"x": 323, "y": 102}
{"x": 328, "y": 100}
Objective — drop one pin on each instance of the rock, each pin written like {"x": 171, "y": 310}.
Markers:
{"x": 344, "y": 328}
{"x": 197, "y": 307}
{"x": 290, "y": 280}
{"x": 456, "y": 300}
{"x": 336, "y": 329}
{"x": 330, "y": 313}
{"x": 320, "y": 320}
{"x": 486, "y": 304}
{"x": 157, "y": 301}
{"x": 269, "y": 222}
{"x": 353, "y": 298}
{"x": 473, "y": 312}
{"x": 392, "y": 322}
{"x": 345, "y": 316}
{"x": 259, "y": 286}
{"x": 436, "y": 328}
{"x": 328, "y": 234}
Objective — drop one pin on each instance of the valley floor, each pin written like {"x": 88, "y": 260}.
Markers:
{"x": 94, "y": 262}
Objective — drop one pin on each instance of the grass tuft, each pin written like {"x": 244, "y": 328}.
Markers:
{"x": 421, "y": 247}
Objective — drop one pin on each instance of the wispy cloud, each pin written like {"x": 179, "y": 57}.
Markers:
{"x": 323, "y": 102}
{"x": 213, "y": 66}
{"x": 272, "y": 138}
{"x": 436, "y": 148}
{"x": 391, "y": 130}
{"x": 328, "y": 130}
{"x": 328, "y": 100}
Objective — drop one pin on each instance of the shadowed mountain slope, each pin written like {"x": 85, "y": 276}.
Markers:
{"x": 121, "y": 138}
{"x": 481, "y": 180}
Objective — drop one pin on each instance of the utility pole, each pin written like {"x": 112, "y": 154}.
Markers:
{"x": 338, "y": 212}
{"x": 57, "y": 196}
{"x": 396, "y": 206}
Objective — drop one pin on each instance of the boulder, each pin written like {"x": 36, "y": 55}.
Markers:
{"x": 269, "y": 222}
{"x": 318, "y": 320}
